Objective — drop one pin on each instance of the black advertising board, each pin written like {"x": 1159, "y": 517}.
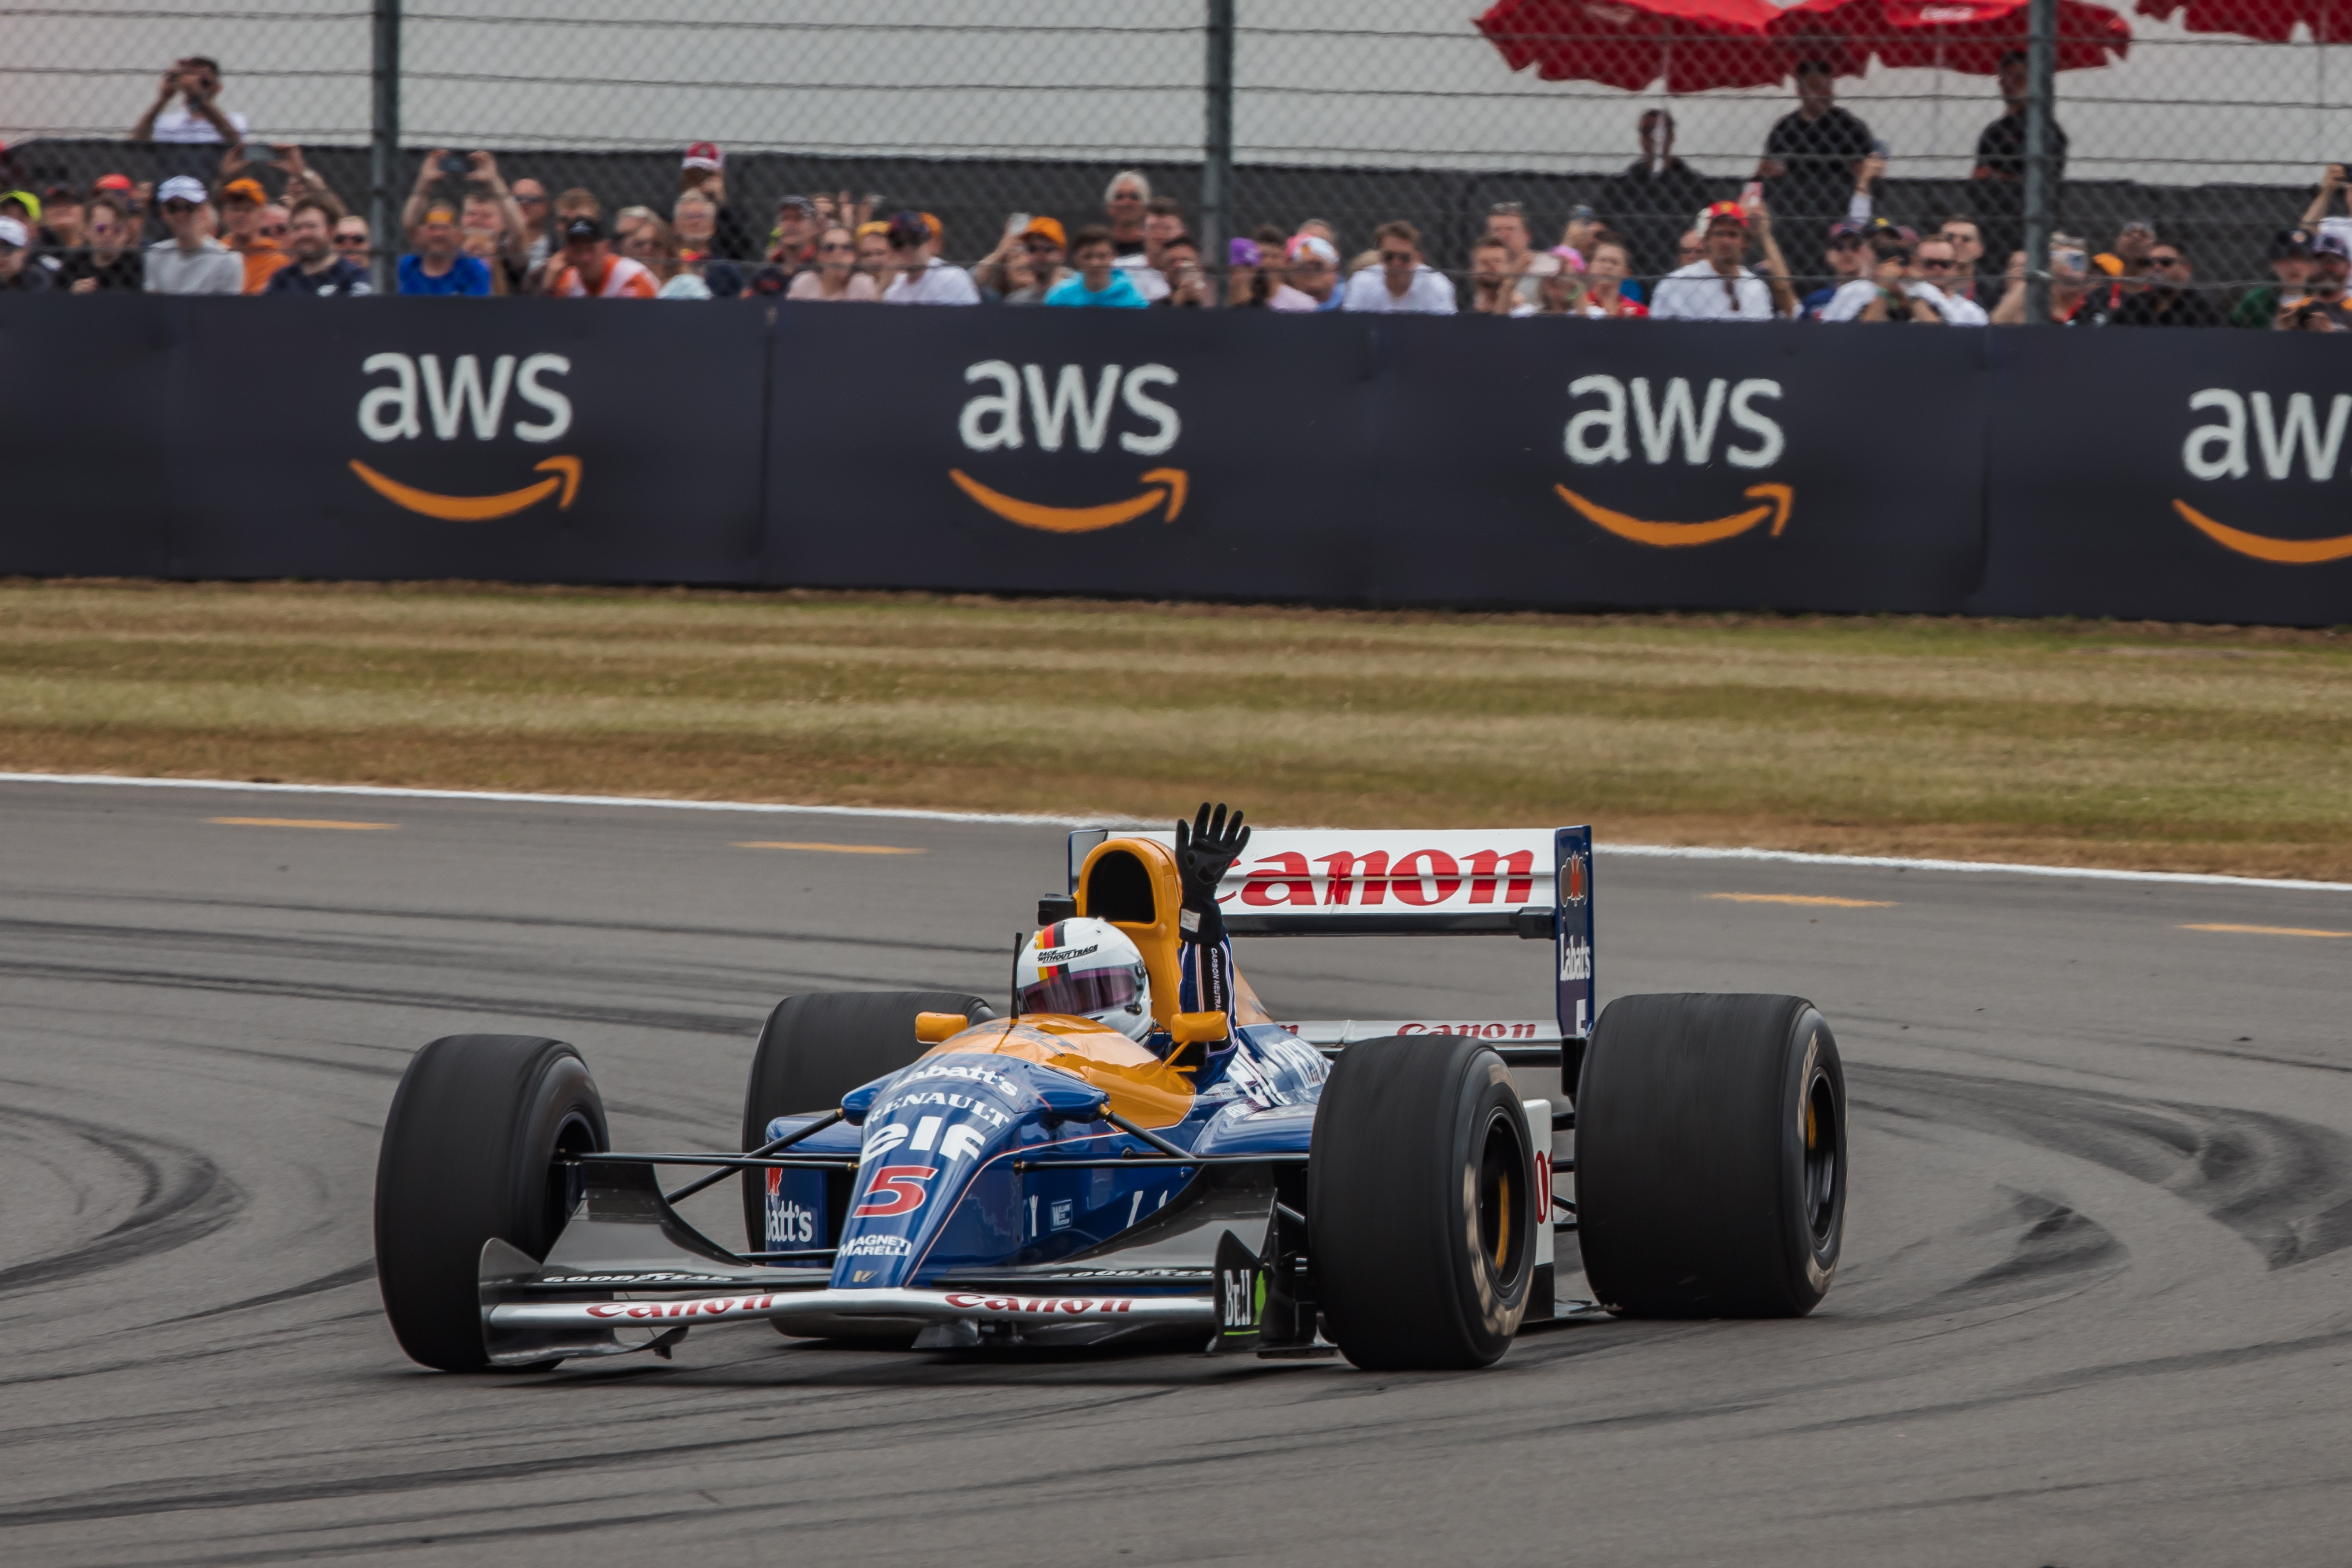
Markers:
{"x": 1087, "y": 451}
{"x": 85, "y": 405}
{"x": 2196, "y": 475}
{"x": 1678, "y": 464}
{"x": 1341, "y": 459}
{"x": 547, "y": 440}
{"x": 1388, "y": 460}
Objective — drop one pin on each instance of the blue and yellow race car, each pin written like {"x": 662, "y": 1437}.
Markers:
{"x": 918, "y": 1170}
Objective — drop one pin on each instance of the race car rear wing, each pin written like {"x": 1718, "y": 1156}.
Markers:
{"x": 1535, "y": 883}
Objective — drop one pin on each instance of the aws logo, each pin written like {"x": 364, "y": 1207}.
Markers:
{"x": 460, "y": 399}
{"x": 2219, "y": 451}
{"x": 1072, "y": 410}
{"x": 1679, "y": 417}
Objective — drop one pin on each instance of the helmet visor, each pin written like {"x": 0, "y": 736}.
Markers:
{"x": 1088, "y": 991}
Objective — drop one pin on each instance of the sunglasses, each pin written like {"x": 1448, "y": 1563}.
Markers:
{"x": 271, "y": 231}
{"x": 179, "y": 206}
{"x": 530, "y": 201}
{"x": 1937, "y": 263}
{"x": 351, "y": 241}
{"x": 2164, "y": 260}
{"x": 840, "y": 244}
{"x": 1396, "y": 257}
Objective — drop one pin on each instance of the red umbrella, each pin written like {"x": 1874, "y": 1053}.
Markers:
{"x": 2273, "y": 21}
{"x": 1694, "y": 45}
{"x": 1969, "y": 35}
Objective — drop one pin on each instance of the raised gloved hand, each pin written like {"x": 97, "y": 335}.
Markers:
{"x": 1204, "y": 849}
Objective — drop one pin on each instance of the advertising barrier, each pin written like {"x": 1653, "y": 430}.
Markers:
{"x": 1332, "y": 458}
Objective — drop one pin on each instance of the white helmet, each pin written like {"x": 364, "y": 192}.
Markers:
{"x": 1087, "y": 967}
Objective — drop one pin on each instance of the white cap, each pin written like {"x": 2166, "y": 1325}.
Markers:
{"x": 182, "y": 189}
{"x": 12, "y": 231}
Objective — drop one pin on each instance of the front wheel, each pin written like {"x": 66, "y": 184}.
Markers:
{"x": 473, "y": 1150}
{"x": 1711, "y": 1157}
{"x": 1421, "y": 1211}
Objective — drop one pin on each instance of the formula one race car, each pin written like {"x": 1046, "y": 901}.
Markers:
{"x": 917, "y": 1169}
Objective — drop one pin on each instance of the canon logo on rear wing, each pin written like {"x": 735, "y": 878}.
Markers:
{"x": 1532, "y": 882}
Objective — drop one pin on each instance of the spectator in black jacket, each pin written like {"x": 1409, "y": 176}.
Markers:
{"x": 1651, "y": 201}
{"x": 1813, "y": 156}
{"x": 316, "y": 270}
{"x": 2168, "y": 300}
{"x": 110, "y": 261}
{"x": 2000, "y": 172}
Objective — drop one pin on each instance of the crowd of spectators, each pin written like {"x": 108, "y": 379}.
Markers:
{"x": 1656, "y": 244}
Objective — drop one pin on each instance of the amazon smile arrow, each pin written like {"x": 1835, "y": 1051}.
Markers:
{"x": 1777, "y": 500}
{"x": 2262, "y": 546}
{"x": 477, "y": 509}
{"x": 1169, "y": 486}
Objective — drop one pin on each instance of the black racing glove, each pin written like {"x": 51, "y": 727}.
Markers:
{"x": 1205, "y": 848}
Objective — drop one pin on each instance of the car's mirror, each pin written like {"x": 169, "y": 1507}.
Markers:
{"x": 1076, "y": 1101}
{"x": 930, "y": 1028}
{"x": 1199, "y": 1028}
{"x": 859, "y": 1101}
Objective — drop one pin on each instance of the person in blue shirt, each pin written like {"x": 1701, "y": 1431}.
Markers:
{"x": 1097, "y": 282}
{"x": 437, "y": 268}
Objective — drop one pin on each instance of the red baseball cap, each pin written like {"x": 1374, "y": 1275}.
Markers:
{"x": 113, "y": 183}
{"x": 1726, "y": 212}
{"x": 704, "y": 155}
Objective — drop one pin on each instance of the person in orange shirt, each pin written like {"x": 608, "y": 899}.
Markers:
{"x": 241, "y": 205}
{"x": 589, "y": 269}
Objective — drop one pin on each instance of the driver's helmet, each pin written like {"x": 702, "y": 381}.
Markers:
{"x": 1087, "y": 967}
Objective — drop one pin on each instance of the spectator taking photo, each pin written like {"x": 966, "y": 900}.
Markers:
{"x": 198, "y": 117}
{"x": 919, "y": 276}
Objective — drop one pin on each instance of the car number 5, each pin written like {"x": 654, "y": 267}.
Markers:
{"x": 895, "y": 1190}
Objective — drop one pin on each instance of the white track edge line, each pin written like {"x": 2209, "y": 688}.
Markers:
{"x": 912, "y": 814}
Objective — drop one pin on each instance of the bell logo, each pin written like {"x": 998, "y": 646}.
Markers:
{"x": 1604, "y": 434}
{"x": 1072, "y": 409}
{"x": 2218, "y": 450}
{"x": 456, "y": 402}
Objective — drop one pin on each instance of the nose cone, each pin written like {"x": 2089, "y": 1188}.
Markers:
{"x": 935, "y": 1128}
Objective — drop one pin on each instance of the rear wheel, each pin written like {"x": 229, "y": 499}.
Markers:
{"x": 470, "y": 1152}
{"x": 816, "y": 1047}
{"x": 1420, "y": 1215}
{"x": 1711, "y": 1156}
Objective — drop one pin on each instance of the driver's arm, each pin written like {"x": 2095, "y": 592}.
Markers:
{"x": 1205, "y": 848}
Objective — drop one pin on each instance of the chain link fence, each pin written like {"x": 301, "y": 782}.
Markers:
{"x": 1354, "y": 115}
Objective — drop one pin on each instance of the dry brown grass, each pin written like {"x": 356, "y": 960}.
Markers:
{"x": 2181, "y": 748}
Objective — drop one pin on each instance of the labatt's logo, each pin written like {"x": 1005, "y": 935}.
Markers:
{"x": 1073, "y": 406}
{"x": 1659, "y": 419}
{"x": 457, "y": 397}
{"x": 2283, "y": 430}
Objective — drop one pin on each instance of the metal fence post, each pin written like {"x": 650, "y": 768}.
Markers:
{"x": 383, "y": 150}
{"x": 1217, "y": 148}
{"x": 2041, "y": 189}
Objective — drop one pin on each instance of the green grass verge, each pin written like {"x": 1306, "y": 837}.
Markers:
{"x": 2184, "y": 748}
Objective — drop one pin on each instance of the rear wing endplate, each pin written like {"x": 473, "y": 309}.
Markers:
{"x": 1528, "y": 882}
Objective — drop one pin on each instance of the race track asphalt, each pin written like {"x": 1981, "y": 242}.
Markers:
{"x": 2094, "y": 1308}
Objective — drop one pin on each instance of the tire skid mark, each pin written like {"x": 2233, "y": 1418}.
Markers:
{"x": 183, "y": 1197}
{"x": 2057, "y": 1244}
{"x": 351, "y": 1275}
{"x": 2284, "y": 1185}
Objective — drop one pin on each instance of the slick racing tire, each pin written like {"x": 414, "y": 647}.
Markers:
{"x": 819, "y": 1045}
{"x": 469, "y": 1153}
{"x": 1421, "y": 1219}
{"x": 1710, "y": 1157}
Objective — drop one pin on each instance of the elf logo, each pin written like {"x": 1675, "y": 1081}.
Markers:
{"x": 2283, "y": 430}
{"x": 461, "y": 397}
{"x": 1605, "y": 435}
{"x": 1073, "y": 409}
